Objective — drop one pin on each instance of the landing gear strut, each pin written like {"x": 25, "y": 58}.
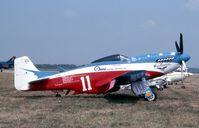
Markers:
{"x": 142, "y": 88}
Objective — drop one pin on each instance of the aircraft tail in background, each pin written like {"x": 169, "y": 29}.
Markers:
{"x": 11, "y": 60}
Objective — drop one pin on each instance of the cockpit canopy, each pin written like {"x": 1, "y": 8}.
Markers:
{"x": 116, "y": 57}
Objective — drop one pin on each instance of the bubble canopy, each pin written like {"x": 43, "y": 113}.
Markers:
{"x": 115, "y": 57}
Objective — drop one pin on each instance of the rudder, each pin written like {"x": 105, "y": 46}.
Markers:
{"x": 23, "y": 73}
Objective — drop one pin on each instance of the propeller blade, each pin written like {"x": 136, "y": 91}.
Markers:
{"x": 181, "y": 72}
{"x": 177, "y": 47}
{"x": 184, "y": 66}
{"x": 181, "y": 43}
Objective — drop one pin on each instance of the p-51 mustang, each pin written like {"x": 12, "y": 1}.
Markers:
{"x": 99, "y": 77}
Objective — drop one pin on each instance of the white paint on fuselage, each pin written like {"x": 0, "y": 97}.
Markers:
{"x": 118, "y": 67}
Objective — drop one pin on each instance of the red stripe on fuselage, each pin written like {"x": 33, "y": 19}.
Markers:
{"x": 99, "y": 82}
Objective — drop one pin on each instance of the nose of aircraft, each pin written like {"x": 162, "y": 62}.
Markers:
{"x": 185, "y": 57}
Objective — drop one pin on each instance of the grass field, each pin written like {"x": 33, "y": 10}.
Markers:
{"x": 174, "y": 108}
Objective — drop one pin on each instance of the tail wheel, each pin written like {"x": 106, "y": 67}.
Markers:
{"x": 58, "y": 95}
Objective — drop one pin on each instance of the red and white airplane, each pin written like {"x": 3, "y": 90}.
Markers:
{"x": 99, "y": 77}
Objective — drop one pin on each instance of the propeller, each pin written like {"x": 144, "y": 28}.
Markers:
{"x": 181, "y": 43}
{"x": 179, "y": 49}
{"x": 184, "y": 66}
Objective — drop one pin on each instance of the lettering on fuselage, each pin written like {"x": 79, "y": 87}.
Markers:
{"x": 161, "y": 66}
{"x": 67, "y": 79}
{"x": 163, "y": 63}
{"x": 110, "y": 68}
{"x": 168, "y": 59}
{"x": 98, "y": 68}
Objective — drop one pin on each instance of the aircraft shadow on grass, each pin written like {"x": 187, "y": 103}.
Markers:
{"x": 113, "y": 98}
{"x": 121, "y": 98}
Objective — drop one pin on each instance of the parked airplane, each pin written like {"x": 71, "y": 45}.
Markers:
{"x": 7, "y": 64}
{"x": 170, "y": 79}
{"x": 174, "y": 77}
{"x": 99, "y": 77}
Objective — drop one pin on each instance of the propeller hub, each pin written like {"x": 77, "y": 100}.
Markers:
{"x": 185, "y": 57}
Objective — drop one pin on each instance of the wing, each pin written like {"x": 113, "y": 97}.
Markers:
{"x": 136, "y": 76}
{"x": 128, "y": 78}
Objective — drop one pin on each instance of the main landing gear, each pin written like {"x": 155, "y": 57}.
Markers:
{"x": 142, "y": 88}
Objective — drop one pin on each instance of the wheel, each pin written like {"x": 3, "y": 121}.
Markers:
{"x": 153, "y": 97}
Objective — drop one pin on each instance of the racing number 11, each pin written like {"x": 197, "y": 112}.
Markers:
{"x": 84, "y": 83}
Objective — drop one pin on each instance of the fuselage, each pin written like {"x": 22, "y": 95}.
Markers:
{"x": 94, "y": 78}
{"x": 101, "y": 76}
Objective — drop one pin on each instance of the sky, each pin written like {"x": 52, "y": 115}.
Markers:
{"x": 80, "y": 31}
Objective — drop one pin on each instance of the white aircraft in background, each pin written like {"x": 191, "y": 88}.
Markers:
{"x": 170, "y": 79}
{"x": 177, "y": 77}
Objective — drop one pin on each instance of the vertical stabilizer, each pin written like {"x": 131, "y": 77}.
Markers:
{"x": 24, "y": 73}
